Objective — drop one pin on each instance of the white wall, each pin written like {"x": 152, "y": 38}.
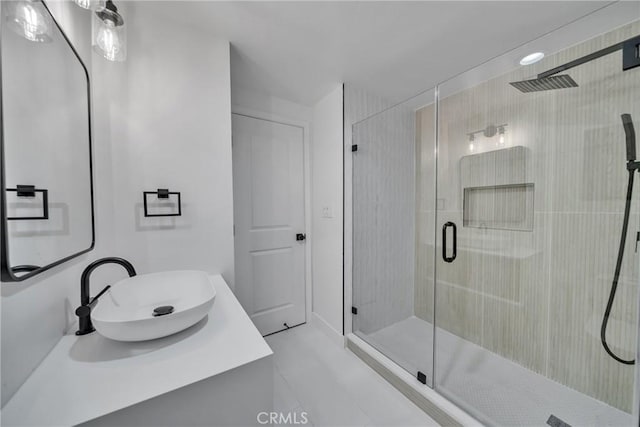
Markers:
{"x": 268, "y": 107}
{"x": 262, "y": 104}
{"x": 324, "y": 243}
{"x": 171, "y": 128}
{"x": 161, "y": 119}
{"x": 326, "y": 206}
{"x": 38, "y": 311}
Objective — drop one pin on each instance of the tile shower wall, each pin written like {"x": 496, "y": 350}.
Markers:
{"x": 358, "y": 104}
{"x": 425, "y": 213}
{"x": 537, "y": 297}
{"x": 383, "y": 202}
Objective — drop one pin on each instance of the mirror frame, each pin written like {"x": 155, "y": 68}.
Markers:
{"x": 6, "y": 273}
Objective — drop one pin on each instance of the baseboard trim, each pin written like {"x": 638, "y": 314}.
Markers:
{"x": 433, "y": 404}
{"x": 335, "y": 336}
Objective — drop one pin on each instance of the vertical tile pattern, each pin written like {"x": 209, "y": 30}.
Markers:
{"x": 358, "y": 104}
{"x": 384, "y": 205}
{"x": 537, "y": 298}
{"x": 425, "y": 213}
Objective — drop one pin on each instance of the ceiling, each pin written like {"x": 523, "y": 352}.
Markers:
{"x": 300, "y": 50}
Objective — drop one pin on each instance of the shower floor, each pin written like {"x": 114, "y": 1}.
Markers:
{"x": 495, "y": 390}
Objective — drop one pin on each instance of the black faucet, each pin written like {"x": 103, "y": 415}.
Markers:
{"x": 86, "y": 302}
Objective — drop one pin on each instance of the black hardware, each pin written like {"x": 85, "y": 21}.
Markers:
{"x": 110, "y": 13}
{"x": 354, "y": 310}
{"x": 631, "y": 53}
{"x": 422, "y": 377}
{"x": 162, "y": 310}
{"x": 26, "y": 190}
{"x": 630, "y": 140}
{"x": 354, "y": 148}
{"x": 630, "y": 137}
{"x": 630, "y": 57}
{"x": 30, "y": 191}
{"x": 444, "y": 241}
{"x": 583, "y": 60}
{"x": 300, "y": 237}
{"x": 86, "y": 302}
{"x": 554, "y": 421}
{"x": 548, "y": 79}
{"x": 24, "y": 268}
{"x": 162, "y": 193}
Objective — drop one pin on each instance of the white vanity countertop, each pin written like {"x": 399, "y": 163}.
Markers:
{"x": 90, "y": 376}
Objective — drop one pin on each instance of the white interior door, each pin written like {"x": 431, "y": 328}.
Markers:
{"x": 268, "y": 194}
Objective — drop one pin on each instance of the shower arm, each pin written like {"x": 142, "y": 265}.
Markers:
{"x": 631, "y": 57}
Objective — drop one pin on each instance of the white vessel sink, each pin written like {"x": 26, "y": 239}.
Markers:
{"x": 126, "y": 311}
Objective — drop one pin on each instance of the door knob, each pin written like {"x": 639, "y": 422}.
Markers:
{"x": 300, "y": 237}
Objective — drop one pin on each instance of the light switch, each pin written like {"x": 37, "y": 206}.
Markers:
{"x": 327, "y": 212}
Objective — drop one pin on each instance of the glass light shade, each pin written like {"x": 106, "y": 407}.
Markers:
{"x": 109, "y": 36}
{"x": 86, "y": 4}
{"x": 30, "y": 19}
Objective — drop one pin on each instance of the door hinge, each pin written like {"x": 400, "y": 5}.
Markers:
{"x": 354, "y": 310}
{"x": 422, "y": 377}
{"x": 354, "y": 148}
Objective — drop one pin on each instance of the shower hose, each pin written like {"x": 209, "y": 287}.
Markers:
{"x": 616, "y": 275}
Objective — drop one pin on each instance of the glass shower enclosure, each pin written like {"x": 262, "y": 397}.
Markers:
{"x": 487, "y": 220}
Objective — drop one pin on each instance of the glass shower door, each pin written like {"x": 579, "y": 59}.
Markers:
{"x": 531, "y": 191}
{"x": 393, "y": 197}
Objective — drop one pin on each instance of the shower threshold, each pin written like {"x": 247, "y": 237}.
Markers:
{"x": 494, "y": 390}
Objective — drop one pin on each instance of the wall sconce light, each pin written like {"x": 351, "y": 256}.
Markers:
{"x": 109, "y": 34}
{"x": 30, "y": 19}
{"x": 85, "y": 4}
{"x": 489, "y": 132}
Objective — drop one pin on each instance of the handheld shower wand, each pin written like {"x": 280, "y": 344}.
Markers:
{"x": 630, "y": 135}
{"x": 632, "y": 166}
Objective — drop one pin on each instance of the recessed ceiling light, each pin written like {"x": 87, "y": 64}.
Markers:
{"x": 532, "y": 58}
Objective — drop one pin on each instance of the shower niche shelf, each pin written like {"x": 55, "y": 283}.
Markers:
{"x": 496, "y": 192}
{"x": 500, "y": 207}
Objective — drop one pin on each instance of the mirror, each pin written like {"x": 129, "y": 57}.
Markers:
{"x": 47, "y": 196}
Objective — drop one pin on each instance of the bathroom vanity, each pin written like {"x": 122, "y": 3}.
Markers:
{"x": 217, "y": 372}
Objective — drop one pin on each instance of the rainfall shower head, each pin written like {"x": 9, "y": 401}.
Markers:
{"x": 561, "y": 81}
{"x": 552, "y": 80}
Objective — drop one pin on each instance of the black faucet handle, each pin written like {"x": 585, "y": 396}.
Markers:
{"x": 85, "y": 310}
{"x": 94, "y": 299}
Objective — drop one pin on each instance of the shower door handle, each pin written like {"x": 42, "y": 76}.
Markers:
{"x": 444, "y": 241}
